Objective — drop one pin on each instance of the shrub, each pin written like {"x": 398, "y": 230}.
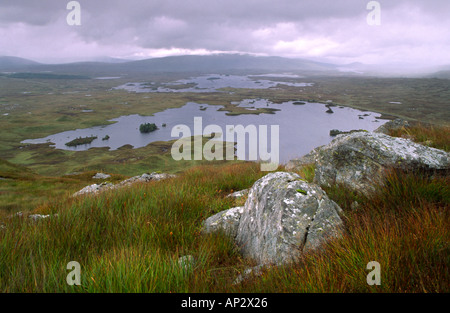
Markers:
{"x": 147, "y": 127}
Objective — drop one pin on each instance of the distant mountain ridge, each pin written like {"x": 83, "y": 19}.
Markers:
{"x": 215, "y": 63}
{"x": 185, "y": 63}
{"x": 10, "y": 62}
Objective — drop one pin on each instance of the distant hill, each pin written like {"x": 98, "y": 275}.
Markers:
{"x": 14, "y": 63}
{"x": 440, "y": 74}
{"x": 224, "y": 62}
{"x": 216, "y": 63}
{"x": 190, "y": 63}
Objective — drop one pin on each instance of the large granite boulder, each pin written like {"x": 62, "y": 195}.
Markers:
{"x": 359, "y": 160}
{"x": 226, "y": 221}
{"x": 283, "y": 217}
{"x": 309, "y": 158}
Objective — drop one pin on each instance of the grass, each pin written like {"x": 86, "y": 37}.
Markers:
{"x": 61, "y": 103}
{"x": 81, "y": 141}
{"x": 130, "y": 240}
{"x": 433, "y": 136}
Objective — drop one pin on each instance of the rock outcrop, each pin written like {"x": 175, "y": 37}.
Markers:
{"x": 101, "y": 176}
{"x": 359, "y": 160}
{"x": 238, "y": 194}
{"x": 392, "y": 125}
{"x": 226, "y": 221}
{"x": 97, "y": 188}
{"x": 283, "y": 217}
{"x": 309, "y": 158}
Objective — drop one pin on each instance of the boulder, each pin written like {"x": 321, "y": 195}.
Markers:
{"x": 285, "y": 216}
{"x": 145, "y": 178}
{"x": 38, "y": 217}
{"x": 95, "y": 189}
{"x": 359, "y": 160}
{"x": 186, "y": 262}
{"x": 335, "y": 132}
{"x": 101, "y": 176}
{"x": 392, "y": 125}
{"x": 309, "y": 158}
{"x": 226, "y": 221}
{"x": 238, "y": 194}
{"x": 249, "y": 272}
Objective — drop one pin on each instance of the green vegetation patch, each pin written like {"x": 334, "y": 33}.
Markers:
{"x": 147, "y": 128}
{"x": 81, "y": 141}
{"x": 46, "y": 76}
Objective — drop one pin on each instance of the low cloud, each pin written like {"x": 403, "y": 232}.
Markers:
{"x": 411, "y": 31}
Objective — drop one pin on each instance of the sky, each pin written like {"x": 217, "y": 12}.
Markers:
{"x": 410, "y": 32}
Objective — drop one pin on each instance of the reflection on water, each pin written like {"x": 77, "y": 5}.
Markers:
{"x": 210, "y": 83}
{"x": 302, "y": 127}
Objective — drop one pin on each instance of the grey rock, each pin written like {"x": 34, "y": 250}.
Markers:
{"x": 283, "y": 216}
{"x": 354, "y": 205}
{"x": 16, "y": 215}
{"x": 335, "y": 132}
{"x": 226, "y": 221}
{"x": 186, "y": 262}
{"x": 101, "y": 176}
{"x": 93, "y": 189}
{"x": 145, "y": 178}
{"x": 359, "y": 160}
{"x": 238, "y": 194}
{"x": 309, "y": 158}
{"x": 392, "y": 125}
{"x": 249, "y": 272}
{"x": 38, "y": 217}
{"x": 97, "y": 188}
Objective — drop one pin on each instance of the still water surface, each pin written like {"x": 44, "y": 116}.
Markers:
{"x": 302, "y": 127}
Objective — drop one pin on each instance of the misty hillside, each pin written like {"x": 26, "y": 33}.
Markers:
{"x": 441, "y": 74}
{"x": 218, "y": 63}
{"x": 191, "y": 63}
{"x": 226, "y": 62}
{"x": 15, "y": 63}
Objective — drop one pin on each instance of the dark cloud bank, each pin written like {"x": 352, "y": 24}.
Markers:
{"x": 412, "y": 32}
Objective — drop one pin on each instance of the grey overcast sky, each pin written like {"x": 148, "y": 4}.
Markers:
{"x": 337, "y": 31}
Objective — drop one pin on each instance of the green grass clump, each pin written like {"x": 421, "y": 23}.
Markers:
{"x": 129, "y": 240}
{"x": 433, "y": 136}
{"x": 405, "y": 230}
{"x": 81, "y": 141}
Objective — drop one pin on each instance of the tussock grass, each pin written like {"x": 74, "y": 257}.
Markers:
{"x": 130, "y": 240}
{"x": 433, "y": 136}
{"x": 406, "y": 232}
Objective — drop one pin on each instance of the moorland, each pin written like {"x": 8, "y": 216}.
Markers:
{"x": 119, "y": 236}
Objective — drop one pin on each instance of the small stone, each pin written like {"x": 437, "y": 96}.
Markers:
{"x": 101, "y": 176}
{"x": 186, "y": 262}
{"x": 238, "y": 194}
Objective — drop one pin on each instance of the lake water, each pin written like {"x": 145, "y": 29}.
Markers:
{"x": 301, "y": 127}
{"x": 213, "y": 82}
